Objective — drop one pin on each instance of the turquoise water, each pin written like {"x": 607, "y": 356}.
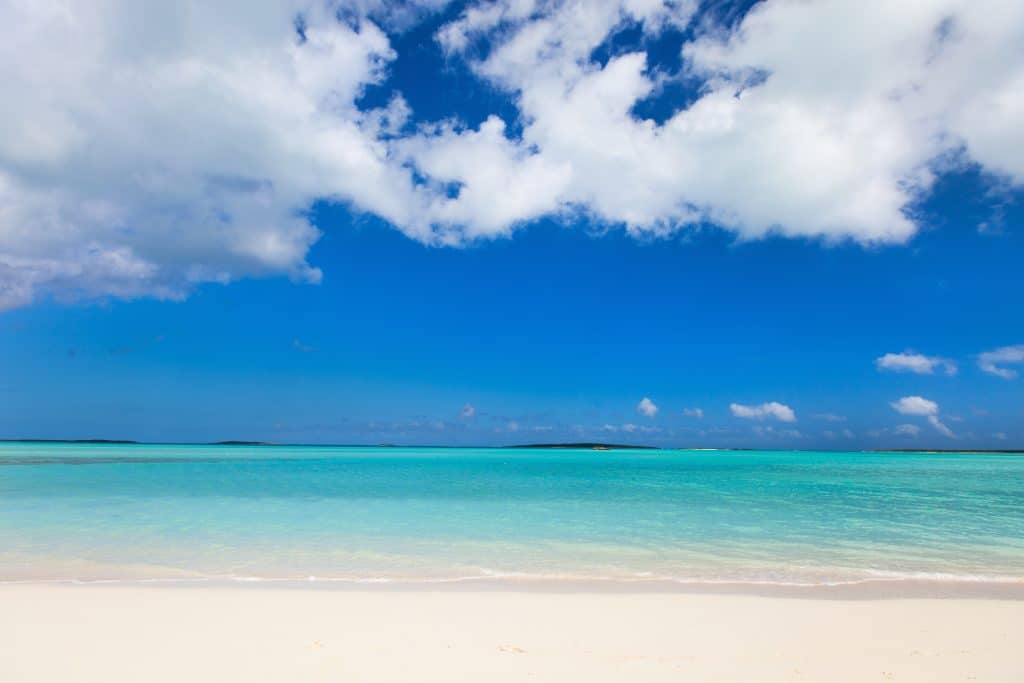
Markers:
{"x": 375, "y": 514}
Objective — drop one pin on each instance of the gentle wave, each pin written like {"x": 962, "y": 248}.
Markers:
{"x": 485, "y": 576}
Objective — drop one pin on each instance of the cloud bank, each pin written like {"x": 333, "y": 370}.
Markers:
{"x": 146, "y": 147}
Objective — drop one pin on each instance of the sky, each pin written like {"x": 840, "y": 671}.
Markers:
{"x": 705, "y": 224}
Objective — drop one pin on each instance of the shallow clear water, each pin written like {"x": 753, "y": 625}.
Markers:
{"x": 167, "y": 511}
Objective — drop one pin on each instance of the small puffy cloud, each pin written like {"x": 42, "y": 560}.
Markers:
{"x": 992, "y": 361}
{"x": 906, "y": 430}
{"x": 467, "y": 411}
{"x": 772, "y": 409}
{"x": 829, "y": 417}
{"x": 693, "y": 412}
{"x": 915, "y": 405}
{"x": 920, "y": 364}
{"x": 647, "y": 407}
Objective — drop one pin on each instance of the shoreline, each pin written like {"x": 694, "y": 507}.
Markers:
{"x": 867, "y": 589}
{"x": 103, "y": 633}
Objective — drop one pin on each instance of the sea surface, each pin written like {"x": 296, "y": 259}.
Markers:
{"x": 90, "y": 512}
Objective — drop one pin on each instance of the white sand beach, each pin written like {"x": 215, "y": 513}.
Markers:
{"x": 116, "y": 633}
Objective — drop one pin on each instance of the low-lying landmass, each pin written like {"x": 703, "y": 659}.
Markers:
{"x": 586, "y": 444}
{"x": 593, "y": 445}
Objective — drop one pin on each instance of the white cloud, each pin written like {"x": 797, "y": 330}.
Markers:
{"x": 915, "y": 405}
{"x": 773, "y": 409}
{"x": 833, "y": 137}
{"x": 907, "y": 430}
{"x": 935, "y": 422}
{"x": 909, "y": 361}
{"x": 646, "y": 407}
{"x": 467, "y": 411}
{"x": 694, "y": 412}
{"x": 148, "y": 146}
{"x": 829, "y": 417}
{"x": 991, "y": 361}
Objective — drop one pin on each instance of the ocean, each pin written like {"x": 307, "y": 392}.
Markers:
{"x": 100, "y": 512}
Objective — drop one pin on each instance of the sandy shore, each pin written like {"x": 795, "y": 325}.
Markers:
{"x": 131, "y": 633}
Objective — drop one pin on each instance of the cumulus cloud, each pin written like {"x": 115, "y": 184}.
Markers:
{"x": 992, "y": 361}
{"x": 832, "y": 138}
{"x": 149, "y": 146}
{"x": 646, "y": 407}
{"x": 467, "y": 411}
{"x": 916, "y": 405}
{"x": 773, "y": 409}
{"x": 920, "y": 364}
{"x": 694, "y": 412}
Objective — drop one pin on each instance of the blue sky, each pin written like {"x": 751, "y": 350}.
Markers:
{"x": 530, "y": 241}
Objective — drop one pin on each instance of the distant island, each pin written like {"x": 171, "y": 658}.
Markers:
{"x": 592, "y": 446}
